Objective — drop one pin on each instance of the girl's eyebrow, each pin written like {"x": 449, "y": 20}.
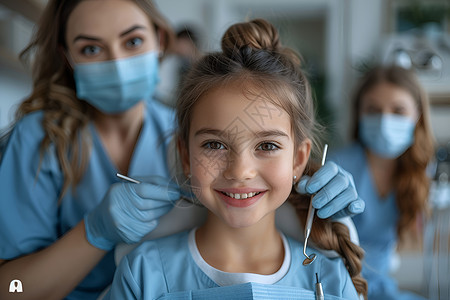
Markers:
{"x": 93, "y": 38}
{"x": 258, "y": 134}
{"x": 209, "y": 131}
{"x": 271, "y": 133}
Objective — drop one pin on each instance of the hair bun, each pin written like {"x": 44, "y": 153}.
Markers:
{"x": 256, "y": 34}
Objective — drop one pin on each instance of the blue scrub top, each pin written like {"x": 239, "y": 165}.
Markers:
{"x": 377, "y": 225}
{"x": 165, "y": 269}
{"x": 30, "y": 217}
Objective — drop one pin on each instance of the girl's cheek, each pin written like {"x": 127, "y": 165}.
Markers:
{"x": 207, "y": 164}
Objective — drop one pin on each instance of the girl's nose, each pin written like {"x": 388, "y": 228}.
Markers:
{"x": 239, "y": 167}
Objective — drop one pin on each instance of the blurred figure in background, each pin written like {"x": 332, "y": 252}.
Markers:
{"x": 393, "y": 145}
{"x": 178, "y": 61}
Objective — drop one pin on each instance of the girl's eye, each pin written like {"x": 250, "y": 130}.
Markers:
{"x": 90, "y": 50}
{"x": 214, "y": 146}
{"x": 134, "y": 42}
{"x": 268, "y": 147}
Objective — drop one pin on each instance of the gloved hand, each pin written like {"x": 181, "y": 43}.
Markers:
{"x": 128, "y": 212}
{"x": 335, "y": 190}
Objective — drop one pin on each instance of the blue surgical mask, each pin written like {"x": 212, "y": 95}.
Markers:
{"x": 387, "y": 135}
{"x": 115, "y": 86}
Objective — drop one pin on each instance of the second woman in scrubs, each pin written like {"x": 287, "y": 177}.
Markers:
{"x": 388, "y": 161}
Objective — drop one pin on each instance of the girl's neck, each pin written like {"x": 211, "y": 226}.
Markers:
{"x": 256, "y": 249}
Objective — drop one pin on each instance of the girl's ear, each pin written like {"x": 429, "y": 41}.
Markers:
{"x": 184, "y": 156}
{"x": 301, "y": 157}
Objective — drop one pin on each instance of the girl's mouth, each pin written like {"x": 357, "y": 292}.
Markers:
{"x": 241, "y": 196}
{"x": 240, "y": 199}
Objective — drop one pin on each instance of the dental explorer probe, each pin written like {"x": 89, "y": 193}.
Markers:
{"x": 127, "y": 178}
{"x": 309, "y": 220}
{"x": 132, "y": 180}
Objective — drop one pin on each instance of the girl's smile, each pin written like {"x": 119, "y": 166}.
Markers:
{"x": 241, "y": 199}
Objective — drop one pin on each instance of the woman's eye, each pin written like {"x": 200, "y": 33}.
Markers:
{"x": 268, "y": 147}
{"x": 91, "y": 50}
{"x": 214, "y": 146}
{"x": 400, "y": 111}
{"x": 134, "y": 42}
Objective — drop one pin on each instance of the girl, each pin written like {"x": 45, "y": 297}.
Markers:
{"x": 393, "y": 147}
{"x": 246, "y": 130}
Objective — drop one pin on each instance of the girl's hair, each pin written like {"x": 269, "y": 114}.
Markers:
{"x": 411, "y": 181}
{"x": 65, "y": 116}
{"x": 252, "y": 55}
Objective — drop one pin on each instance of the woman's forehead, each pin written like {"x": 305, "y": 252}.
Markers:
{"x": 105, "y": 18}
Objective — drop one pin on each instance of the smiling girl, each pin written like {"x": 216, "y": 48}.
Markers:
{"x": 246, "y": 131}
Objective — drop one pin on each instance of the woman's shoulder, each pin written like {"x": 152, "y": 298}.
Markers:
{"x": 346, "y": 151}
{"x": 25, "y": 135}
{"x": 348, "y": 156}
{"x": 30, "y": 124}
{"x": 160, "y": 111}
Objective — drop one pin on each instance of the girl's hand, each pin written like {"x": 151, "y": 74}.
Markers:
{"x": 335, "y": 192}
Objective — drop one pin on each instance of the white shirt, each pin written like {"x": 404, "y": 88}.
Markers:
{"x": 226, "y": 278}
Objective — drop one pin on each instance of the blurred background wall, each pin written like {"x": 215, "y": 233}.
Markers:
{"x": 338, "y": 39}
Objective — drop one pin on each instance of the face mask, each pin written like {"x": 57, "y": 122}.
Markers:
{"x": 387, "y": 135}
{"x": 116, "y": 85}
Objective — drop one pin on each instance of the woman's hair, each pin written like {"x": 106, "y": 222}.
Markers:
{"x": 252, "y": 55}
{"x": 411, "y": 181}
{"x": 65, "y": 116}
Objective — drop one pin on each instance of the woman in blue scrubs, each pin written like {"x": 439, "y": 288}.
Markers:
{"x": 246, "y": 129}
{"x": 90, "y": 116}
{"x": 393, "y": 146}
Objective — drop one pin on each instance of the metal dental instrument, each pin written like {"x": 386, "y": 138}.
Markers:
{"x": 132, "y": 180}
{"x": 309, "y": 220}
{"x": 319, "y": 290}
{"x": 127, "y": 178}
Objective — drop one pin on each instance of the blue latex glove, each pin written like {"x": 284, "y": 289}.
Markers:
{"x": 335, "y": 191}
{"x": 128, "y": 212}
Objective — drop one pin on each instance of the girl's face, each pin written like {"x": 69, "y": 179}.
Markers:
{"x": 106, "y": 30}
{"x": 387, "y": 98}
{"x": 241, "y": 156}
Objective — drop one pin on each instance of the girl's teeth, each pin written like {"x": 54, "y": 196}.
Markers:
{"x": 241, "y": 196}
